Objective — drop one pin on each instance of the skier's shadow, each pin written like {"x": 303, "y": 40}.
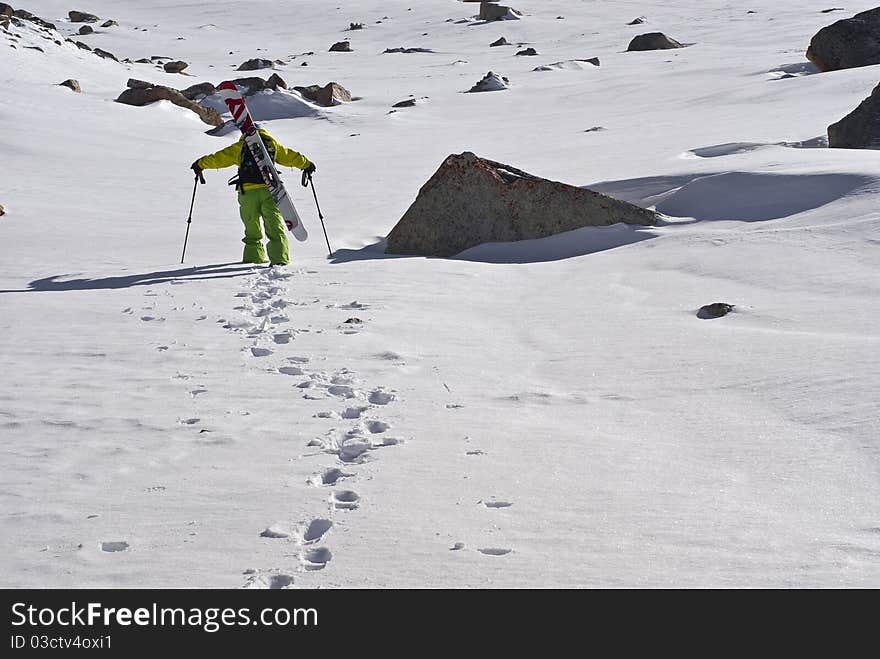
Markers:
{"x": 62, "y": 283}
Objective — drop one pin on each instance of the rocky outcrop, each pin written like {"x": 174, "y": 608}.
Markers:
{"x": 528, "y": 52}
{"x": 848, "y": 43}
{"x": 471, "y": 200}
{"x": 6, "y": 10}
{"x": 330, "y": 94}
{"x": 491, "y": 82}
{"x": 174, "y": 67}
{"x": 82, "y": 17}
{"x": 85, "y": 29}
{"x": 653, "y": 41}
{"x": 341, "y": 47}
{"x": 255, "y": 65}
{"x": 142, "y": 93}
{"x": 860, "y": 129}
{"x": 71, "y": 84}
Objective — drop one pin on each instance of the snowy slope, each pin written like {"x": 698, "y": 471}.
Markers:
{"x": 542, "y": 414}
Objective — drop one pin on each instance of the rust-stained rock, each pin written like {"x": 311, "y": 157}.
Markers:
{"x": 471, "y": 200}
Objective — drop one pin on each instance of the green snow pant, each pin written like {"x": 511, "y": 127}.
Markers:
{"x": 254, "y": 204}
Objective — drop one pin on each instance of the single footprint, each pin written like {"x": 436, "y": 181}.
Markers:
{"x": 290, "y": 370}
{"x": 354, "y": 412}
{"x": 261, "y": 352}
{"x": 494, "y": 551}
{"x": 342, "y": 391}
{"x": 196, "y": 392}
{"x": 282, "y": 338}
{"x": 344, "y": 500}
{"x": 270, "y": 582}
{"x": 114, "y": 546}
{"x": 189, "y": 422}
{"x": 497, "y": 504}
{"x": 379, "y": 397}
{"x": 353, "y": 451}
{"x": 330, "y": 476}
{"x": 317, "y": 558}
{"x": 386, "y": 441}
{"x": 275, "y": 531}
{"x": 316, "y": 530}
{"x": 377, "y": 427}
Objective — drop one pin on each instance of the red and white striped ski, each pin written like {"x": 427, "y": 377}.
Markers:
{"x": 235, "y": 102}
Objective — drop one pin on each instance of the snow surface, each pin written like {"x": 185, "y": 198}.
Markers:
{"x": 541, "y": 414}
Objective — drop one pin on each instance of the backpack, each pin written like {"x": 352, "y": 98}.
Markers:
{"x": 248, "y": 172}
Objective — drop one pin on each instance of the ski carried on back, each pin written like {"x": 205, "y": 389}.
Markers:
{"x": 235, "y": 102}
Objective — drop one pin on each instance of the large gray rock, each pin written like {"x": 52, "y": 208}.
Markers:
{"x": 860, "y": 129}
{"x": 140, "y": 95}
{"x": 201, "y": 89}
{"x": 848, "y": 43}
{"x": 471, "y": 200}
{"x": 653, "y": 41}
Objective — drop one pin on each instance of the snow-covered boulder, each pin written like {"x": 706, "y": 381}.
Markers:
{"x": 860, "y": 129}
{"x": 491, "y": 82}
{"x": 848, "y": 43}
{"x": 471, "y": 200}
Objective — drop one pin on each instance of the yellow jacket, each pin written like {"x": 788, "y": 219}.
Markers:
{"x": 232, "y": 154}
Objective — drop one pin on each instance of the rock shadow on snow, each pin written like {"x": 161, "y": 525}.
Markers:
{"x": 739, "y": 196}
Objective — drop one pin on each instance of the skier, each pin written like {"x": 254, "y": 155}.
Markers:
{"x": 254, "y": 199}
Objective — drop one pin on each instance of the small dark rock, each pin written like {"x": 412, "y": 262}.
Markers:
{"x": 638, "y": 21}
{"x": 827, "y": 11}
{"x": 72, "y": 84}
{"x": 408, "y": 103}
{"x": 341, "y": 47}
{"x": 714, "y": 310}
{"x": 85, "y": 29}
{"x": 355, "y": 26}
{"x": 653, "y": 41}
{"x": 255, "y": 64}
{"x": 104, "y": 54}
{"x": 6, "y": 10}
{"x": 175, "y": 67}
{"x": 109, "y": 24}
{"x": 528, "y": 52}
{"x": 354, "y": 321}
{"x": 83, "y": 46}
{"x": 2, "y": 210}
{"x": 501, "y": 42}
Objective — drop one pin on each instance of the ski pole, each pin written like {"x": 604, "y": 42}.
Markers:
{"x": 199, "y": 178}
{"x": 318, "y": 206}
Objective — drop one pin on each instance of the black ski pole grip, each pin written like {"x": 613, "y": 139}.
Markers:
{"x": 305, "y": 179}
{"x": 200, "y": 177}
